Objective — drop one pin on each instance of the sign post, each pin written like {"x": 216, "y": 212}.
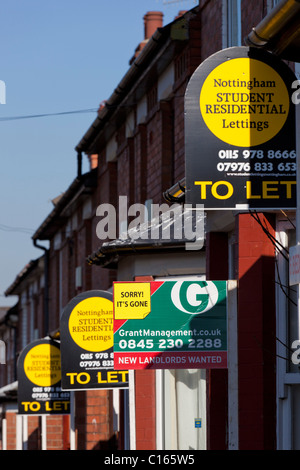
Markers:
{"x": 240, "y": 132}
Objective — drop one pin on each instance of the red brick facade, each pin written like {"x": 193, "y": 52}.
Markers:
{"x": 217, "y": 380}
{"x": 257, "y": 326}
{"x": 145, "y": 410}
{"x": 11, "y": 423}
{"x": 149, "y": 158}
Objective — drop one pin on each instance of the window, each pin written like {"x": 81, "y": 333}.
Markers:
{"x": 271, "y": 4}
{"x": 180, "y": 402}
{"x": 288, "y": 376}
{"x": 152, "y": 98}
{"x": 231, "y": 23}
{"x": 181, "y": 66}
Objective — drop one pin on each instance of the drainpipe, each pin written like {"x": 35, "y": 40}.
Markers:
{"x": 79, "y": 164}
{"x": 11, "y": 322}
{"x": 273, "y": 24}
{"x": 46, "y": 291}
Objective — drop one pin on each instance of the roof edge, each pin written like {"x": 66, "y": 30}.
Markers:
{"x": 160, "y": 35}
{"x": 273, "y": 25}
{"x": 86, "y": 180}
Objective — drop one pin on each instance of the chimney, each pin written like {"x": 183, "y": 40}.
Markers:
{"x": 93, "y": 159}
{"x": 180, "y": 13}
{"x": 152, "y": 21}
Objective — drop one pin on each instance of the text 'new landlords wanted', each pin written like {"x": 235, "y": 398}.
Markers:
{"x": 170, "y": 325}
{"x": 240, "y": 132}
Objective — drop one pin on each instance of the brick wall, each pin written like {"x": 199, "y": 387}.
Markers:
{"x": 145, "y": 410}
{"x": 179, "y": 136}
{"x": 148, "y": 163}
{"x": 251, "y": 16}
{"x": 126, "y": 171}
{"x": 154, "y": 158}
{"x": 256, "y": 334}
{"x": 211, "y": 27}
{"x": 11, "y": 423}
{"x": 53, "y": 290}
{"x": 67, "y": 278}
{"x": 94, "y": 420}
{"x": 55, "y": 433}
{"x": 140, "y": 162}
{"x": 217, "y": 380}
{"x": 34, "y": 433}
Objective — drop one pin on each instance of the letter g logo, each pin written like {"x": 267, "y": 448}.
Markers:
{"x": 194, "y": 298}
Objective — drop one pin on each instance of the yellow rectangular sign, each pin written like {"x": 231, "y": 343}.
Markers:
{"x": 132, "y": 300}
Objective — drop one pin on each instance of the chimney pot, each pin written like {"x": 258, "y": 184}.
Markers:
{"x": 180, "y": 13}
{"x": 152, "y": 21}
{"x": 93, "y": 159}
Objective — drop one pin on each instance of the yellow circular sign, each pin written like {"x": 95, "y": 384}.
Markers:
{"x": 244, "y": 102}
{"x": 42, "y": 365}
{"x": 91, "y": 324}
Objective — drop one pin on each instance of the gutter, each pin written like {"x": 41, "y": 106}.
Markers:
{"x": 120, "y": 92}
{"x": 9, "y": 391}
{"x": 281, "y": 19}
{"x": 163, "y": 232}
{"x": 135, "y": 71}
{"x": 11, "y": 322}
{"x": 78, "y": 186}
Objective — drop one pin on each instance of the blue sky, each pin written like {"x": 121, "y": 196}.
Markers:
{"x": 56, "y": 56}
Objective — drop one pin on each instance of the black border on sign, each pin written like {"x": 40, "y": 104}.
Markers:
{"x": 70, "y": 351}
{"x": 25, "y": 386}
{"x": 202, "y": 146}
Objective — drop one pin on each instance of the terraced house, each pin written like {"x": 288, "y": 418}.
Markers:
{"x": 137, "y": 151}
